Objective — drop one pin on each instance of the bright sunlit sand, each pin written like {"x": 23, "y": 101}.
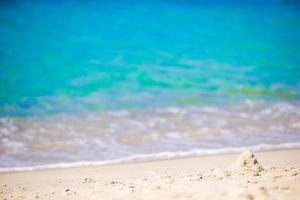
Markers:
{"x": 266, "y": 175}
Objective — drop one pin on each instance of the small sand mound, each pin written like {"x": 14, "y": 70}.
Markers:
{"x": 246, "y": 162}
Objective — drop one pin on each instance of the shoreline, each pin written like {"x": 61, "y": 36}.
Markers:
{"x": 181, "y": 178}
{"x": 137, "y": 158}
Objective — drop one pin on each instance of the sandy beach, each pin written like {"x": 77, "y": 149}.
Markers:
{"x": 149, "y": 100}
{"x": 264, "y": 175}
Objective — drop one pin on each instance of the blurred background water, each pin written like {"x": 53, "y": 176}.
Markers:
{"x": 93, "y": 81}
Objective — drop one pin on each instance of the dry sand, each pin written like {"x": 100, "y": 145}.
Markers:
{"x": 266, "y": 175}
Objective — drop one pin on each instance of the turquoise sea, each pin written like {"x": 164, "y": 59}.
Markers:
{"x": 113, "y": 81}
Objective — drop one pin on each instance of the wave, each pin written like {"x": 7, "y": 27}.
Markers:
{"x": 157, "y": 156}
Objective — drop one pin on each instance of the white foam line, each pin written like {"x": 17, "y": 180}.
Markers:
{"x": 157, "y": 156}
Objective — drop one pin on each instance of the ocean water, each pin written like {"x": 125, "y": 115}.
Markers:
{"x": 88, "y": 82}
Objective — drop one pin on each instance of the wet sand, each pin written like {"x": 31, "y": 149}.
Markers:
{"x": 264, "y": 175}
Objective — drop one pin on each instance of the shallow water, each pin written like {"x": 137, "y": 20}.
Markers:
{"x": 87, "y": 81}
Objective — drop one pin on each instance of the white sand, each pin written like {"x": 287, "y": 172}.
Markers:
{"x": 266, "y": 175}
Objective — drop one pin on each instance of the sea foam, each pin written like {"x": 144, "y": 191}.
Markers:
{"x": 156, "y": 156}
